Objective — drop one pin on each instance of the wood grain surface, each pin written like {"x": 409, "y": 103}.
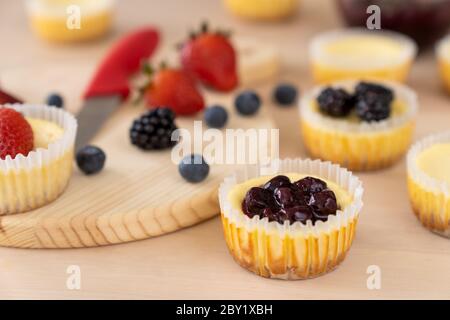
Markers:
{"x": 138, "y": 195}
{"x": 194, "y": 263}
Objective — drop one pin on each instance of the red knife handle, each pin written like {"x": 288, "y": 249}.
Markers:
{"x": 112, "y": 77}
{"x": 7, "y": 98}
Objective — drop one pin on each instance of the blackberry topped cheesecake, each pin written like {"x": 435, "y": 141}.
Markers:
{"x": 360, "y": 125}
{"x": 296, "y": 224}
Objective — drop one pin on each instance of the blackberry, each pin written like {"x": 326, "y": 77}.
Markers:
{"x": 365, "y": 89}
{"x": 153, "y": 130}
{"x": 335, "y": 102}
{"x": 373, "y": 101}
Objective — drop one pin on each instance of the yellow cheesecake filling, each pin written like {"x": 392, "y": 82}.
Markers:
{"x": 54, "y": 20}
{"x": 435, "y": 162}
{"x": 237, "y": 194}
{"x": 44, "y": 132}
{"x": 291, "y": 251}
{"x": 429, "y": 183}
{"x": 262, "y": 9}
{"x": 354, "y": 53}
{"x": 27, "y": 183}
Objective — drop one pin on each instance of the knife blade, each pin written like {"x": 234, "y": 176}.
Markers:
{"x": 109, "y": 86}
{"x": 93, "y": 115}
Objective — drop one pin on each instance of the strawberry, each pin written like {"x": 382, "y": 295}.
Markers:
{"x": 16, "y": 135}
{"x": 173, "y": 88}
{"x": 211, "y": 58}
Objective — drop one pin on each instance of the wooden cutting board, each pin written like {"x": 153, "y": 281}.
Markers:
{"x": 139, "y": 194}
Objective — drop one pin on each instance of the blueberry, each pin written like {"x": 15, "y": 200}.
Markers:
{"x": 193, "y": 168}
{"x": 55, "y": 100}
{"x": 247, "y": 103}
{"x": 91, "y": 159}
{"x": 216, "y": 116}
{"x": 285, "y": 94}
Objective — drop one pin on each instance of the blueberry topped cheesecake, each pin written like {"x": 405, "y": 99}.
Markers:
{"x": 359, "y": 124}
{"x": 296, "y": 224}
{"x": 279, "y": 199}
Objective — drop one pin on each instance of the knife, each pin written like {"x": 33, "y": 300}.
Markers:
{"x": 109, "y": 86}
{"x": 7, "y": 98}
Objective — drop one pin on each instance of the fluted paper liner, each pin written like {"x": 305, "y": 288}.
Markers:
{"x": 29, "y": 182}
{"x": 327, "y": 67}
{"x": 442, "y": 51}
{"x": 430, "y": 197}
{"x": 295, "y": 251}
{"x": 359, "y": 145}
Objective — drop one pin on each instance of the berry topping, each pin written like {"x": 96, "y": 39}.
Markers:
{"x": 153, "y": 130}
{"x": 216, "y": 116}
{"x": 173, "y": 88}
{"x": 55, "y": 100}
{"x": 301, "y": 213}
{"x": 285, "y": 197}
{"x": 193, "y": 168}
{"x": 277, "y": 182}
{"x": 280, "y": 200}
{"x": 256, "y": 201}
{"x": 310, "y": 184}
{"x": 16, "y": 135}
{"x": 285, "y": 94}
{"x": 364, "y": 89}
{"x": 335, "y": 102}
{"x": 247, "y": 103}
{"x": 91, "y": 159}
{"x": 373, "y": 101}
{"x": 324, "y": 203}
{"x": 211, "y": 58}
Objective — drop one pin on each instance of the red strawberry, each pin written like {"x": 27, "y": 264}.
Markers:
{"x": 174, "y": 89}
{"x": 211, "y": 58}
{"x": 16, "y": 135}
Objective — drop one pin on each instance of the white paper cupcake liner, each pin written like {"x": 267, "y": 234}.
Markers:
{"x": 28, "y": 182}
{"x": 319, "y": 55}
{"x": 430, "y": 197}
{"x": 442, "y": 49}
{"x": 330, "y": 240}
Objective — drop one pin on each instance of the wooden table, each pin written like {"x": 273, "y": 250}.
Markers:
{"x": 194, "y": 263}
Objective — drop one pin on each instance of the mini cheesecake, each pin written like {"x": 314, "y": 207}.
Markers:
{"x": 361, "y": 54}
{"x": 296, "y": 224}
{"x": 50, "y": 19}
{"x": 443, "y": 57}
{"x": 429, "y": 182}
{"x": 31, "y": 181}
{"x": 360, "y": 130}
